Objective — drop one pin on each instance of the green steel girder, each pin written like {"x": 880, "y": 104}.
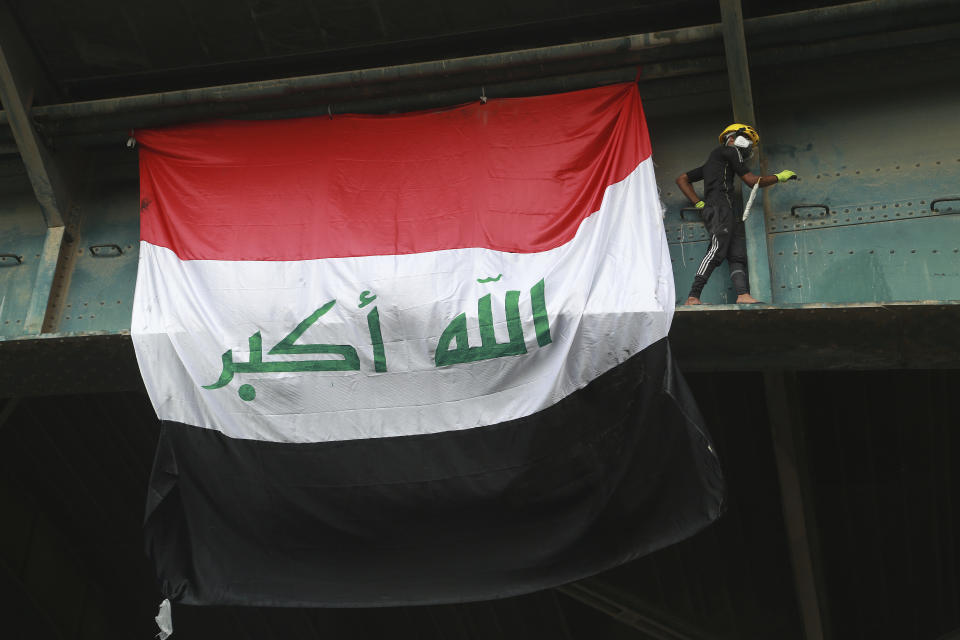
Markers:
{"x": 20, "y": 82}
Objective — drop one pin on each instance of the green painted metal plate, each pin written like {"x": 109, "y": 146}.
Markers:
{"x": 886, "y": 261}
{"x": 100, "y": 296}
{"x": 22, "y": 231}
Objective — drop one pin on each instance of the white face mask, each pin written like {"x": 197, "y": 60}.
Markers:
{"x": 742, "y": 142}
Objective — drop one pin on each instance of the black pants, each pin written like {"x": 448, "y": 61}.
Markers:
{"x": 728, "y": 241}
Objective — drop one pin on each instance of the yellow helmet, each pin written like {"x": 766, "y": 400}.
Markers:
{"x": 745, "y": 129}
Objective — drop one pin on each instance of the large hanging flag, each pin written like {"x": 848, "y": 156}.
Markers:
{"x": 414, "y": 358}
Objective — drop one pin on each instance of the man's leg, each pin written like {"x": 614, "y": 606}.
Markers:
{"x": 737, "y": 259}
{"x": 718, "y": 225}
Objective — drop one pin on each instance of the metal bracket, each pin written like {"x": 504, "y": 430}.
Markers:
{"x": 96, "y": 253}
{"x": 4, "y": 256}
{"x": 947, "y": 199}
{"x": 793, "y": 209}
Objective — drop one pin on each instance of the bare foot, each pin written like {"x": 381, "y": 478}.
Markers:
{"x": 746, "y": 298}
{"x": 692, "y": 300}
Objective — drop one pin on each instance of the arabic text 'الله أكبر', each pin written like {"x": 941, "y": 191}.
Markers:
{"x": 347, "y": 358}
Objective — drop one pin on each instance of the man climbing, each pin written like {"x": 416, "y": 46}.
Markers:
{"x": 723, "y": 221}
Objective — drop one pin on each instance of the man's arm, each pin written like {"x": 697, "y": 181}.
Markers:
{"x": 683, "y": 181}
{"x": 733, "y": 156}
{"x": 765, "y": 181}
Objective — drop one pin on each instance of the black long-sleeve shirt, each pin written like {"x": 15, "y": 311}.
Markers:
{"x": 717, "y": 175}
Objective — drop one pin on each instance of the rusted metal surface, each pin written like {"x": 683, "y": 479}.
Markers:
{"x": 901, "y": 335}
{"x": 62, "y": 364}
{"x": 43, "y": 282}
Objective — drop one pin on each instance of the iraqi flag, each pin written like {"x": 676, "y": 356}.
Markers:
{"x": 412, "y": 359}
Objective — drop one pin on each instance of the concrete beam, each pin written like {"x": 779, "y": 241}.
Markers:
{"x": 741, "y": 95}
{"x": 21, "y": 82}
{"x": 626, "y": 609}
{"x": 785, "y": 409}
{"x": 19, "y": 85}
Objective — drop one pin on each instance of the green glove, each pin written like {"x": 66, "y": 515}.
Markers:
{"x": 783, "y": 176}
{"x": 700, "y": 205}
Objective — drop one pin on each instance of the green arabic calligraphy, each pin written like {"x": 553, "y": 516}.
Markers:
{"x": 348, "y": 360}
{"x": 486, "y": 280}
{"x": 456, "y": 331}
{"x": 379, "y": 356}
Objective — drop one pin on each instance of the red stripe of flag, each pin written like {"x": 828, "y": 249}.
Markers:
{"x": 516, "y": 175}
